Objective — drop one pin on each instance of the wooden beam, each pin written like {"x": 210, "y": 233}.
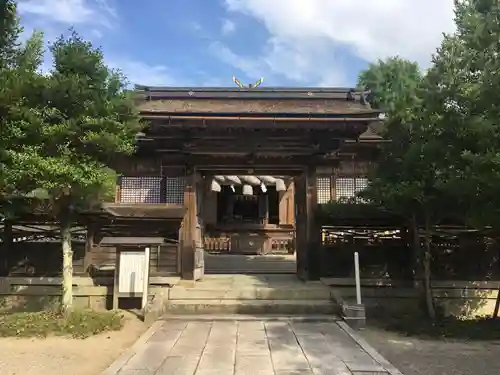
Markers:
{"x": 326, "y": 117}
{"x": 162, "y": 130}
{"x": 244, "y": 142}
{"x": 347, "y": 127}
{"x": 248, "y": 161}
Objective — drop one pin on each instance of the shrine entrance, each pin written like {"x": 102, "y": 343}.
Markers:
{"x": 264, "y": 228}
{"x": 249, "y": 224}
{"x": 221, "y": 139}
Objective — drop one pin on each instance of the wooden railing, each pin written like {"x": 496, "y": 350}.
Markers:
{"x": 217, "y": 244}
{"x": 283, "y": 245}
{"x": 271, "y": 243}
{"x": 333, "y": 236}
{"x": 388, "y": 252}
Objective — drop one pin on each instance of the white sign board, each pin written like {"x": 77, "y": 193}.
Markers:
{"x": 133, "y": 272}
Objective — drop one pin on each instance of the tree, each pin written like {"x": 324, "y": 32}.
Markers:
{"x": 462, "y": 109}
{"x": 394, "y": 82}
{"x": 20, "y": 89}
{"x": 405, "y": 180}
{"x": 9, "y": 34}
{"x": 9, "y": 50}
{"x": 19, "y": 80}
{"x": 84, "y": 119}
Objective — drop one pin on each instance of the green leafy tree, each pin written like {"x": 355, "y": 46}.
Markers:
{"x": 462, "y": 110}
{"x": 9, "y": 34}
{"x": 85, "y": 119}
{"x": 19, "y": 83}
{"x": 394, "y": 83}
{"x": 9, "y": 50}
{"x": 21, "y": 87}
{"x": 405, "y": 180}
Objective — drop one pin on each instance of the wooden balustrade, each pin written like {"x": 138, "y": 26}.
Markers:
{"x": 264, "y": 242}
{"x": 217, "y": 244}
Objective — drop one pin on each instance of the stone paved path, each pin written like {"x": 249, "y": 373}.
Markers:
{"x": 254, "y": 347}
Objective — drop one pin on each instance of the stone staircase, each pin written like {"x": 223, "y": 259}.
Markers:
{"x": 250, "y": 264}
{"x": 250, "y": 295}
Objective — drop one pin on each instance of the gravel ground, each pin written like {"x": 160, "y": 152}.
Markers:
{"x": 433, "y": 357}
{"x": 66, "y": 356}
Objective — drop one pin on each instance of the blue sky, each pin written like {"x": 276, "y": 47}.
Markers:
{"x": 206, "y": 42}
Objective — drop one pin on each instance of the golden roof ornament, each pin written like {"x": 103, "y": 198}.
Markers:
{"x": 249, "y": 86}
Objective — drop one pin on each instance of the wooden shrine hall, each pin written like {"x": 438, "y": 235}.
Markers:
{"x": 249, "y": 166}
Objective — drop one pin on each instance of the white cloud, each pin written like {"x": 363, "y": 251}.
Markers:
{"x": 92, "y": 17}
{"x": 141, "y": 73}
{"x": 305, "y": 36}
{"x": 53, "y": 17}
{"x": 136, "y": 72}
{"x": 96, "y": 33}
{"x": 245, "y": 63}
{"x": 70, "y": 12}
{"x": 228, "y": 27}
{"x": 297, "y": 62}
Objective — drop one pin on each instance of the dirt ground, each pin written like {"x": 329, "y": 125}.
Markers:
{"x": 57, "y": 355}
{"x": 414, "y": 356}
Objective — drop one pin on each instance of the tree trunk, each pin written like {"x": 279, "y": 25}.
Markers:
{"x": 416, "y": 250}
{"x": 497, "y": 302}
{"x": 6, "y": 248}
{"x": 497, "y": 305}
{"x": 429, "y": 301}
{"x": 67, "y": 274}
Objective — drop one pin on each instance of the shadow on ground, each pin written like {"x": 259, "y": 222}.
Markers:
{"x": 415, "y": 324}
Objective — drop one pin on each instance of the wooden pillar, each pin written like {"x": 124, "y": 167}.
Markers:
{"x": 307, "y": 235}
{"x": 290, "y": 204}
{"x": 313, "y": 229}
{"x": 301, "y": 226}
{"x": 265, "y": 197}
{"x": 282, "y": 208}
{"x": 116, "y": 280}
{"x": 191, "y": 253}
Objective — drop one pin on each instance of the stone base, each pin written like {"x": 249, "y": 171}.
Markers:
{"x": 354, "y": 315}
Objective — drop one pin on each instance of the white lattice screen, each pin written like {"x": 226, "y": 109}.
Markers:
{"x": 174, "y": 190}
{"x": 141, "y": 190}
{"x": 347, "y": 187}
{"x": 361, "y": 183}
{"x": 324, "y": 189}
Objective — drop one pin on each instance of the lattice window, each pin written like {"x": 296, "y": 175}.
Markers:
{"x": 324, "y": 189}
{"x": 174, "y": 187}
{"x": 141, "y": 190}
{"x": 348, "y": 187}
{"x": 361, "y": 183}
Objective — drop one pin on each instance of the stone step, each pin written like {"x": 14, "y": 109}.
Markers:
{"x": 255, "y": 293}
{"x": 250, "y": 307}
{"x": 248, "y": 271}
{"x": 249, "y": 264}
{"x": 248, "y": 318}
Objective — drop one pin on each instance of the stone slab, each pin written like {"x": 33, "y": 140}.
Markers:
{"x": 252, "y": 347}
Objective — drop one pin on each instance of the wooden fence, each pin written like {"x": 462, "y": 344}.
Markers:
{"x": 385, "y": 252}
